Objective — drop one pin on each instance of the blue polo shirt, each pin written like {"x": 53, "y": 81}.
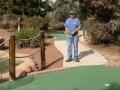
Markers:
{"x": 72, "y": 24}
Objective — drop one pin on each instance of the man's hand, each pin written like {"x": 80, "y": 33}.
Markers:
{"x": 73, "y": 32}
{"x": 65, "y": 33}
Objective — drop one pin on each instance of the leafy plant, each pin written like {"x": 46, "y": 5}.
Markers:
{"x": 59, "y": 26}
{"x": 87, "y": 27}
{"x": 13, "y": 25}
{"x": 5, "y": 25}
{"x": 106, "y": 32}
{"x": 35, "y": 22}
{"x": 26, "y": 34}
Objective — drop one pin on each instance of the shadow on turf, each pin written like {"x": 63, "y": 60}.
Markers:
{"x": 22, "y": 83}
{"x": 113, "y": 86}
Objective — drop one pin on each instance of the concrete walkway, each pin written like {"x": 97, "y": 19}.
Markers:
{"x": 87, "y": 56}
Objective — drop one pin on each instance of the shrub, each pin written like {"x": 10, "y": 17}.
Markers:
{"x": 87, "y": 27}
{"x": 26, "y": 34}
{"x": 1, "y": 26}
{"x": 13, "y": 25}
{"x": 1, "y": 17}
{"x": 53, "y": 22}
{"x": 5, "y": 25}
{"x": 106, "y": 32}
{"x": 9, "y": 17}
{"x": 59, "y": 26}
{"x": 35, "y": 22}
{"x": 44, "y": 25}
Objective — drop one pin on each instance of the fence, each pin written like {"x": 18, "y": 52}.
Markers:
{"x": 12, "y": 56}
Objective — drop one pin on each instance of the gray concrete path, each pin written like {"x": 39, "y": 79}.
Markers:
{"x": 87, "y": 56}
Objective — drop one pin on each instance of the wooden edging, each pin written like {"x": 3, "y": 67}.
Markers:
{"x": 48, "y": 71}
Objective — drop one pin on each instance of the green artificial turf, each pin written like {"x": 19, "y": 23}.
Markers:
{"x": 59, "y": 34}
{"x": 77, "y": 78}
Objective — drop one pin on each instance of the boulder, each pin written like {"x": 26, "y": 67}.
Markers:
{"x": 32, "y": 64}
{"x": 19, "y": 74}
{"x": 24, "y": 67}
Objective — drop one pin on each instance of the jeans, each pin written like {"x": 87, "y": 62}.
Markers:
{"x": 72, "y": 39}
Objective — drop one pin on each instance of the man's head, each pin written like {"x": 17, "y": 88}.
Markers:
{"x": 72, "y": 14}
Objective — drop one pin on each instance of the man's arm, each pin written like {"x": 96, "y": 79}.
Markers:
{"x": 78, "y": 28}
{"x": 66, "y": 31}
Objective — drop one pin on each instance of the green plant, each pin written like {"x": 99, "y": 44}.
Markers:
{"x": 106, "y": 32}
{"x": 44, "y": 25}
{"x": 5, "y": 25}
{"x": 59, "y": 26}
{"x": 87, "y": 27}
{"x": 13, "y": 25}
{"x": 52, "y": 23}
{"x": 26, "y": 34}
{"x": 35, "y": 22}
{"x": 1, "y": 26}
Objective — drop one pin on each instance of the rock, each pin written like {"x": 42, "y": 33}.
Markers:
{"x": 32, "y": 64}
{"x": 24, "y": 67}
{"x": 5, "y": 76}
{"x": 19, "y": 74}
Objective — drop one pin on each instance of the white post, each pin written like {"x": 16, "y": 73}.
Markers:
{"x": 19, "y": 24}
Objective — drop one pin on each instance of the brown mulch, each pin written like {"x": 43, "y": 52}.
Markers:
{"x": 54, "y": 58}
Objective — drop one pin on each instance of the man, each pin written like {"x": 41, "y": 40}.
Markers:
{"x": 72, "y": 26}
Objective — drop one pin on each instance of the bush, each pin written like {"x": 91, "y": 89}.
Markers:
{"x": 59, "y": 26}
{"x": 53, "y": 22}
{"x": 1, "y": 17}
{"x": 26, "y": 34}
{"x": 35, "y": 22}
{"x": 87, "y": 27}
{"x": 1, "y": 26}
{"x": 13, "y": 25}
{"x": 45, "y": 25}
{"x": 106, "y": 32}
{"x": 9, "y": 17}
{"x": 5, "y": 25}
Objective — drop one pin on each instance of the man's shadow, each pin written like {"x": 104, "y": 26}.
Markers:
{"x": 85, "y": 53}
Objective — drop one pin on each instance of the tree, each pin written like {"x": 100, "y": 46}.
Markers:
{"x": 25, "y": 7}
{"x": 102, "y": 10}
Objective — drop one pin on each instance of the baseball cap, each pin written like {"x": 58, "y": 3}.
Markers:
{"x": 72, "y": 12}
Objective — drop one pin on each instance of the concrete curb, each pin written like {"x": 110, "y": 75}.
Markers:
{"x": 112, "y": 64}
{"x": 48, "y": 71}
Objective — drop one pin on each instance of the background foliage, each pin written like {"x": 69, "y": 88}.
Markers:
{"x": 98, "y": 17}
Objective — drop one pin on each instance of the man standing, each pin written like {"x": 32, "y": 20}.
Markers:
{"x": 72, "y": 26}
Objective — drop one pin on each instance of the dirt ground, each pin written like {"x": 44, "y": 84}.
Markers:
{"x": 54, "y": 58}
